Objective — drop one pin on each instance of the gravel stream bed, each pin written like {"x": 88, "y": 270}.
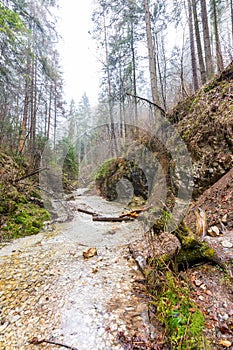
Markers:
{"x": 49, "y": 291}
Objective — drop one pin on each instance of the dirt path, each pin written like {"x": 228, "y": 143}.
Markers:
{"x": 48, "y": 290}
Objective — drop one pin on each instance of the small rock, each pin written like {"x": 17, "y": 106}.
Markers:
{"x": 225, "y": 317}
{"x": 226, "y": 244}
{"x": 224, "y": 219}
{"x": 198, "y": 283}
{"x": 203, "y": 286}
{"x": 213, "y": 231}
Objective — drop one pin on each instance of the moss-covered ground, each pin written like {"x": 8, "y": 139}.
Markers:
{"x": 21, "y": 208}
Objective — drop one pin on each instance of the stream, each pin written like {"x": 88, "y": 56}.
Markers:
{"x": 49, "y": 291}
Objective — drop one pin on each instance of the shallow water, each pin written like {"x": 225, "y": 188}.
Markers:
{"x": 48, "y": 290}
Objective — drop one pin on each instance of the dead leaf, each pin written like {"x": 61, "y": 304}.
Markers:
{"x": 90, "y": 253}
{"x": 208, "y": 292}
{"x": 225, "y": 343}
{"x": 34, "y": 340}
{"x": 191, "y": 309}
{"x": 208, "y": 325}
{"x": 224, "y": 329}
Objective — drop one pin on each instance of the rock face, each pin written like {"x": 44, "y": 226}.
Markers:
{"x": 114, "y": 170}
{"x": 205, "y": 122}
{"x": 217, "y": 203}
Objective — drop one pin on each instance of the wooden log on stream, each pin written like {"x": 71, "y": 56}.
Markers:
{"x": 129, "y": 215}
{"x": 112, "y": 218}
{"x": 190, "y": 248}
{"x": 87, "y": 211}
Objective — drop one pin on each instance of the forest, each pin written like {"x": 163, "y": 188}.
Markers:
{"x": 137, "y": 57}
{"x": 154, "y": 156}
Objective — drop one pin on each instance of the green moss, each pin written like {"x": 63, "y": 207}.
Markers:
{"x": 104, "y": 169}
{"x": 194, "y": 102}
{"x": 176, "y": 311}
{"x": 27, "y": 219}
{"x": 192, "y": 249}
{"x": 35, "y": 194}
{"x": 185, "y": 134}
{"x": 210, "y": 87}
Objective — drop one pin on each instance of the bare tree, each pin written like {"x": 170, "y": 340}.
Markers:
{"x": 206, "y": 38}
{"x": 192, "y": 46}
{"x": 198, "y": 43}
{"x": 151, "y": 53}
{"x": 217, "y": 40}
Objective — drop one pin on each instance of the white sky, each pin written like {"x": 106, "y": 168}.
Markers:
{"x": 77, "y": 52}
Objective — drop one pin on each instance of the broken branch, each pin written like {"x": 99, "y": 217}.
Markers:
{"x": 86, "y": 211}
{"x": 112, "y": 218}
{"x": 36, "y": 341}
{"x": 148, "y": 101}
{"x": 134, "y": 212}
{"x": 37, "y": 171}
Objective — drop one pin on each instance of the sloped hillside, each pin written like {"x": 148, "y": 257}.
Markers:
{"x": 217, "y": 203}
{"x": 205, "y": 122}
{"x": 21, "y": 207}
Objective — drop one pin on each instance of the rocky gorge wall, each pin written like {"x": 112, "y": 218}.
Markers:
{"x": 205, "y": 122}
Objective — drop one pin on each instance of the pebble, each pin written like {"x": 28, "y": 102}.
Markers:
{"x": 227, "y": 244}
{"x": 198, "y": 283}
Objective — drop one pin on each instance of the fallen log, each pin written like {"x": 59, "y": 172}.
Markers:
{"x": 87, "y": 211}
{"x": 112, "y": 218}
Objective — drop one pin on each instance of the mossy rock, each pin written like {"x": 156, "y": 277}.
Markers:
{"x": 113, "y": 170}
{"x": 27, "y": 219}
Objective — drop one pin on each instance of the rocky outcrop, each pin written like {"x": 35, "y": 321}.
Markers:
{"x": 205, "y": 122}
{"x": 114, "y": 170}
{"x": 217, "y": 203}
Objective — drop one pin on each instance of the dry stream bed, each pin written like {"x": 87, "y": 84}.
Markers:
{"x": 49, "y": 291}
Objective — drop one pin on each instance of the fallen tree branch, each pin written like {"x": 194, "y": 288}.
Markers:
{"x": 112, "y": 218}
{"x": 86, "y": 211}
{"x": 37, "y": 171}
{"x": 148, "y": 101}
{"x": 36, "y": 341}
{"x": 134, "y": 212}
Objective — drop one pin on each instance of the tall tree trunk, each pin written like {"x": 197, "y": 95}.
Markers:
{"x": 134, "y": 74}
{"x": 182, "y": 79}
{"x": 55, "y": 115}
{"x": 162, "y": 77}
{"x": 131, "y": 5}
{"x": 110, "y": 103}
{"x": 217, "y": 41}
{"x": 192, "y": 47}
{"x": 151, "y": 53}
{"x": 198, "y": 42}
{"x": 23, "y": 131}
{"x": 206, "y": 37}
{"x": 33, "y": 101}
{"x": 231, "y": 4}
{"x": 49, "y": 111}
